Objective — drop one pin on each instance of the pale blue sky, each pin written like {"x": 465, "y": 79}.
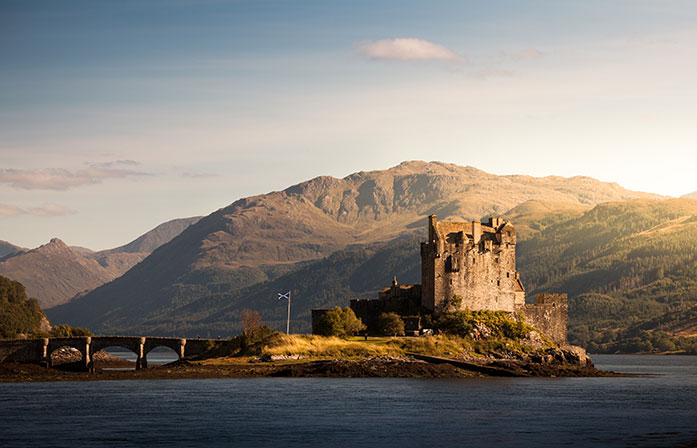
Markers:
{"x": 117, "y": 116}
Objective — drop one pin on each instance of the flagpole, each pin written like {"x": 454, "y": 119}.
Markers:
{"x": 288, "y": 322}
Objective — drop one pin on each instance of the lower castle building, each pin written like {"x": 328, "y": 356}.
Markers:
{"x": 467, "y": 266}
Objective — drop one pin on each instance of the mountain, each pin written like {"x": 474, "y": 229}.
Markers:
{"x": 154, "y": 238}
{"x": 119, "y": 260}
{"x": 8, "y": 248}
{"x": 358, "y": 271}
{"x": 630, "y": 269}
{"x": 263, "y": 238}
{"x": 692, "y": 195}
{"x": 55, "y": 273}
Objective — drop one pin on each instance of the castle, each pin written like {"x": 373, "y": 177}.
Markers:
{"x": 467, "y": 265}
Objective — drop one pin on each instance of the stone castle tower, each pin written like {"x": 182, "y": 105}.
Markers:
{"x": 470, "y": 265}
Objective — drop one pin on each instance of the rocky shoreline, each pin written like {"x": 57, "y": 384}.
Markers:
{"x": 556, "y": 365}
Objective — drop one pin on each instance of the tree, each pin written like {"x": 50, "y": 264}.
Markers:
{"x": 251, "y": 322}
{"x": 339, "y": 322}
{"x": 390, "y": 324}
{"x": 18, "y": 315}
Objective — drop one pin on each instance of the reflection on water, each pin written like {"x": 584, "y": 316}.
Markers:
{"x": 158, "y": 355}
{"x": 646, "y": 411}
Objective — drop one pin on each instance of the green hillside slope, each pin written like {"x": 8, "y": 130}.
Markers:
{"x": 621, "y": 264}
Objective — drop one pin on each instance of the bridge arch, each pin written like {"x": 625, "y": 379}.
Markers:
{"x": 81, "y": 344}
{"x": 176, "y": 344}
{"x": 132, "y": 344}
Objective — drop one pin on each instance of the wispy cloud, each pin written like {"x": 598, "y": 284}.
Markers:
{"x": 406, "y": 49}
{"x": 490, "y": 73}
{"x": 10, "y": 210}
{"x": 113, "y": 164}
{"x": 43, "y": 210}
{"x": 61, "y": 179}
{"x": 198, "y": 175}
{"x": 527, "y": 54}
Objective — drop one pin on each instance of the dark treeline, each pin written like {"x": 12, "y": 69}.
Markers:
{"x": 18, "y": 314}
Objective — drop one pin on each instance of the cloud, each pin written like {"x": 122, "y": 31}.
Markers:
{"x": 490, "y": 73}
{"x": 10, "y": 210}
{"x": 406, "y": 49}
{"x": 44, "y": 210}
{"x": 114, "y": 163}
{"x": 527, "y": 54}
{"x": 60, "y": 179}
{"x": 198, "y": 175}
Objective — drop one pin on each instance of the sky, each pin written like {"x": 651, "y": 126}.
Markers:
{"x": 118, "y": 116}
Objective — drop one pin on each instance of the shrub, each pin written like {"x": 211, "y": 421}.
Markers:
{"x": 66, "y": 331}
{"x": 458, "y": 323}
{"x": 390, "y": 324}
{"x": 339, "y": 322}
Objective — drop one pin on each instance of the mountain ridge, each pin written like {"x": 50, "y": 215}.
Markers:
{"x": 254, "y": 238}
{"x": 54, "y": 273}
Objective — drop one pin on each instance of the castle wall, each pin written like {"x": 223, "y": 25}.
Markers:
{"x": 549, "y": 315}
{"x": 472, "y": 261}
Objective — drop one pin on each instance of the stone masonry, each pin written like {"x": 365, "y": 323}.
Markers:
{"x": 470, "y": 263}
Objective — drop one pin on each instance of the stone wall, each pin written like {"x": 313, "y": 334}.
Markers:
{"x": 549, "y": 315}
{"x": 22, "y": 350}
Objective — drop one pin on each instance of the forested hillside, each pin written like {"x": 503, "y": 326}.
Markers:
{"x": 622, "y": 264}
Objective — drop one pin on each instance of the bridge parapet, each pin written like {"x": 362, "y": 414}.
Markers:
{"x": 39, "y": 350}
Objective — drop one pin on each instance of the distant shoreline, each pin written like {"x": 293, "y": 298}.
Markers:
{"x": 378, "y": 367}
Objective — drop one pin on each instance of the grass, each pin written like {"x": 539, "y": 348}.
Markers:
{"x": 313, "y": 346}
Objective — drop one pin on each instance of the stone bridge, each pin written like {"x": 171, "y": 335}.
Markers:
{"x": 39, "y": 350}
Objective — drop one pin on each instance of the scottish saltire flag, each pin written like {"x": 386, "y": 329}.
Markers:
{"x": 283, "y": 296}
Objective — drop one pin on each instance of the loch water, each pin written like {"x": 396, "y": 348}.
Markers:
{"x": 655, "y": 410}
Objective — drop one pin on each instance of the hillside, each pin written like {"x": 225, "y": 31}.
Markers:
{"x": 621, "y": 264}
{"x": 533, "y": 216}
{"x": 55, "y": 273}
{"x": 262, "y": 238}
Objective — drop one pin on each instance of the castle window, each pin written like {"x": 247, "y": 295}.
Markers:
{"x": 496, "y": 260}
{"x": 508, "y": 275}
{"x": 498, "y": 282}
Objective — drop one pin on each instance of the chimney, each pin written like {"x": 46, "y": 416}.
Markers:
{"x": 432, "y": 219}
{"x": 476, "y": 231}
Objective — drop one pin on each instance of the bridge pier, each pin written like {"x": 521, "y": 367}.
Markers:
{"x": 45, "y": 355}
{"x": 86, "y": 354}
{"x": 142, "y": 360}
{"x": 182, "y": 346}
